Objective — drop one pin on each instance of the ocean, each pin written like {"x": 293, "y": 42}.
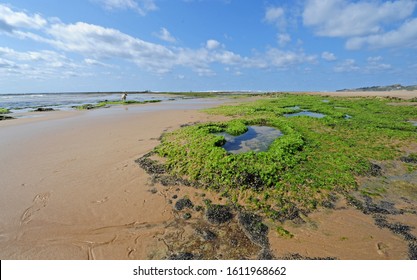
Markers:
{"x": 20, "y": 103}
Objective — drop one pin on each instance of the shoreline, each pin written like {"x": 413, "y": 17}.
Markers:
{"x": 74, "y": 191}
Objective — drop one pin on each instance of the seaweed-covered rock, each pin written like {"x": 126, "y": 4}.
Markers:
{"x": 183, "y": 203}
{"x": 43, "y": 109}
{"x": 397, "y": 228}
{"x": 206, "y": 234}
{"x": 254, "y": 229}
{"x": 5, "y": 117}
{"x": 150, "y": 166}
{"x": 186, "y": 216}
{"x": 412, "y": 251}
{"x": 412, "y": 158}
{"x": 218, "y": 214}
{"x": 265, "y": 254}
{"x": 297, "y": 256}
{"x": 182, "y": 256}
{"x": 375, "y": 170}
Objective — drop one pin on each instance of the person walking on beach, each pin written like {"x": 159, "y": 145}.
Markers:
{"x": 124, "y": 95}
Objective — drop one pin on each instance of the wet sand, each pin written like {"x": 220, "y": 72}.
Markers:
{"x": 70, "y": 189}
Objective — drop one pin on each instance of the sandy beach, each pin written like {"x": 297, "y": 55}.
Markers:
{"x": 70, "y": 189}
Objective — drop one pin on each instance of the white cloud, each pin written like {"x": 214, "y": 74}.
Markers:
{"x": 341, "y": 18}
{"x": 140, "y": 6}
{"x": 284, "y": 59}
{"x": 276, "y": 15}
{"x": 375, "y": 64}
{"x": 165, "y": 35}
{"x": 36, "y": 64}
{"x": 11, "y": 20}
{"x": 348, "y": 65}
{"x": 283, "y": 39}
{"x": 99, "y": 42}
{"x": 212, "y": 44}
{"x": 404, "y": 36}
{"x": 98, "y": 45}
{"x": 328, "y": 56}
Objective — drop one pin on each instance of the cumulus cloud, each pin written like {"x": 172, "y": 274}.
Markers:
{"x": 283, "y": 39}
{"x": 98, "y": 45}
{"x": 375, "y": 63}
{"x": 348, "y": 65}
{"x": 165, "y": 35}
{"x": 341, "y": 18}
{"x": 276, "y": 15}
{"x": 11, "y": 20}
{"x": 140, "y": 6}
{"x": 212, "y": 44}
{"x": 99, "y": 42}
{"x": 36, "y": 64}
{"x": 328, "y": 56}
{"x": 404, "y": 36}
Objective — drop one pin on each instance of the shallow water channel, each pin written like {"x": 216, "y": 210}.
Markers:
{"x": 305, "y": 113}
{"x": 256, "y": 139}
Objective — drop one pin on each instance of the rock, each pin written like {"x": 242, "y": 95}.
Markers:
{"x": 375, "y": 170}
{"x": 181, "y": 256}
{"x": 4, "y": 117}
{"x": 254, "y": 229}
{"x": 206, "y": 234}
{"x": 218, "y": 214}
{"x": 183, "y": 203}
{"x": 43, "y": 109}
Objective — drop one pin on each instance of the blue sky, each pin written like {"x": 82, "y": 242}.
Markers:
{"x": 183, "y": 45}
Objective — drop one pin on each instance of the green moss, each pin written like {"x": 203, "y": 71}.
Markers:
{"x": 4, "y": 111}
{"x": 313, "y": 158}
{"x": 283, "y": 232}
{"x": 109, "y": 103}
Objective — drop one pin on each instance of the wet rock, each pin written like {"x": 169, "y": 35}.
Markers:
{"x": 371, "y": 207}
{"x": 182, "y": 256}
{"x": 409, "y": 159}
{"x": 43, "y": 109}
{"x": 150, "y": 166}
{"x": 375, "y": 170}
{"x": 412, "y": 251}
{"x": 254, "y": 229}
{"x": 297, "y": 256}
{"x": 186, "y": 216}
{"x": 199, "y": 208}
{"x": 206, "y": 234}
{"x": 5, "y": 117}
{"x": 252, "y": 180}
{"x": 265, "y": 254}
{"x": 397, "y": 228}
{"x": 183, "y": 203}
{"x": 218, "y": 214}
{"x": 234, "y": 242}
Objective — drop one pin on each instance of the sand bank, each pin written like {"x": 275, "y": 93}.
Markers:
{"x": 70, "y": 189}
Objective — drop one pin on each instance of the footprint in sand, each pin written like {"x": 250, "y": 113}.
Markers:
{"x": 382, "y": 248}
{"x": 40, "y": 201}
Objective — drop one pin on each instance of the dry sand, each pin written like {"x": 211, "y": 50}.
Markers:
{"x": 70, "y": 189}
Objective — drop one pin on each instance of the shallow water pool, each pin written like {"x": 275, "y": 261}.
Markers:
{"x": 305, "y": 113}
{"x": 256, "y": 139}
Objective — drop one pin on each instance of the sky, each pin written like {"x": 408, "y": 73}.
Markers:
{"x": 206, "y": 45}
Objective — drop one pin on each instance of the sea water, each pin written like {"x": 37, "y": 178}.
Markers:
{"x": 19, "y": 103}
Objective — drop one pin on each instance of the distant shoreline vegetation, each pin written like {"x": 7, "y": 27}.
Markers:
{"x": 382, "y": 88}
